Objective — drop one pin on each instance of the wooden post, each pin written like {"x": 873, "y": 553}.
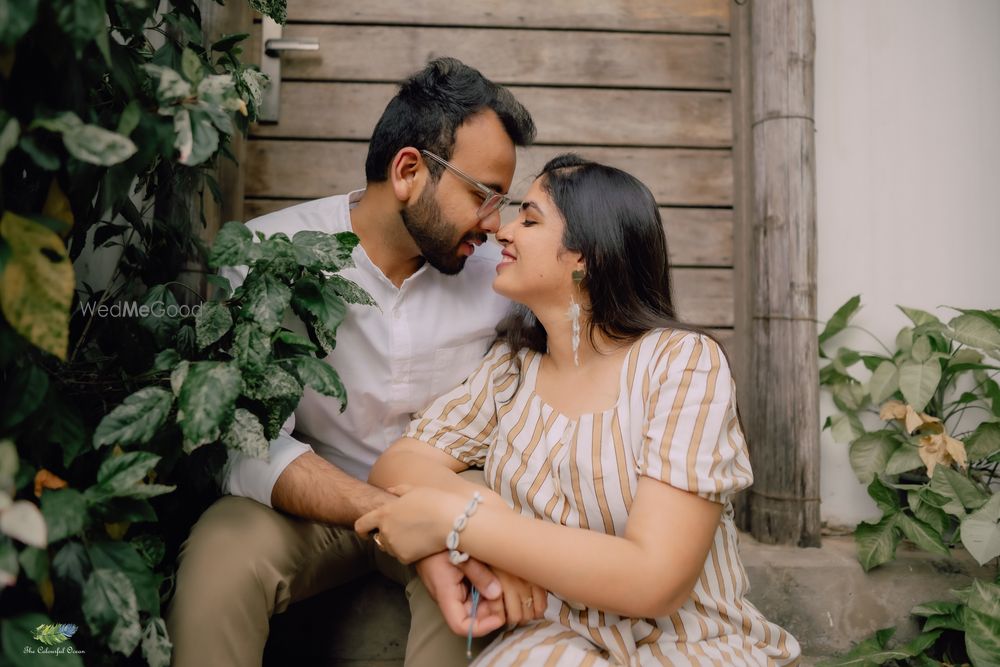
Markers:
{"x": 780, "y": 385}
{"x": 219, "y": 20}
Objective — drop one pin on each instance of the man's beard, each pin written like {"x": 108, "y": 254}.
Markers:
{"x": 434, "y": 237}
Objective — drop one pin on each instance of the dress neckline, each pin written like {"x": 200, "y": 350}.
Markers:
{"x": 535, "y": 365}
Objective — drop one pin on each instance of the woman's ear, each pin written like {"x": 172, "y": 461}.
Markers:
{"x": 407, "y": 174}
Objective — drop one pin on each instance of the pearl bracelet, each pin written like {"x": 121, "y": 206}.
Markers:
{"x": 454, "y": 555}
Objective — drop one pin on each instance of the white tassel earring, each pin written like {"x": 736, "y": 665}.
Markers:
{"x": 574, "y": 316}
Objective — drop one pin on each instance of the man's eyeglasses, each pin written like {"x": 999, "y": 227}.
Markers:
{"x": 493, "y": 201}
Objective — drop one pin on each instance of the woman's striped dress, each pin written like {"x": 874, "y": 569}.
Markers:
{"x": 675, "y": 421}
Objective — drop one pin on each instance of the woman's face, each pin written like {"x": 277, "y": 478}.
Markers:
{"x": 535, "y": 268}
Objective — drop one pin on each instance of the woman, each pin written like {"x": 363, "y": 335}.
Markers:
{"x": 611, "y": 442}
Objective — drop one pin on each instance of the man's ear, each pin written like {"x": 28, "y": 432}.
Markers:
{"x": 408, "y": 174}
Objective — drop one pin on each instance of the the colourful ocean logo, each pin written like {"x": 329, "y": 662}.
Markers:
{"x": 54, "y": 633}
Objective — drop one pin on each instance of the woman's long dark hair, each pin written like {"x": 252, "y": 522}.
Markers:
{"x": 612, "y": 220}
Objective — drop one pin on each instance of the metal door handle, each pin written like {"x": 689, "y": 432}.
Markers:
{"x": 272, "y": 46}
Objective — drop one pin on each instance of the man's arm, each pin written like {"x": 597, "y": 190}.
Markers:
{"x": 313, "y": 488}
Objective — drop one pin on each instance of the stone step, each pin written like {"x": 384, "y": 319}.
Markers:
{"x": 821, "y": 595}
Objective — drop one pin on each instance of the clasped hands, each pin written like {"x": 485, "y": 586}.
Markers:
{"x": 413, "y": 527}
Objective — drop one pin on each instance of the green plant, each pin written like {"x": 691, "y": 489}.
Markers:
{"x": 113, "y": 430}
{"x": 924, "y": 434}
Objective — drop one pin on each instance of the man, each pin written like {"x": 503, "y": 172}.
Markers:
{"x": 439, "y": 165}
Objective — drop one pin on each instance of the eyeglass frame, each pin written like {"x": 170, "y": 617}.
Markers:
{"x": 486, "y": 191}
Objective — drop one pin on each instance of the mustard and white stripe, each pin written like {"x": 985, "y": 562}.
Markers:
{"x": 675, "y": 421}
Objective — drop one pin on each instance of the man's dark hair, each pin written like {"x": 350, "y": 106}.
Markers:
{"x": 431, "y": 105}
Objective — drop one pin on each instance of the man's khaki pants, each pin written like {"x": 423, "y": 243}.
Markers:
{"x": 244, "y": 562}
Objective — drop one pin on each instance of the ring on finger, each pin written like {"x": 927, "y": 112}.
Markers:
{"x": 378, "y": 541}
{"x": 528, "y": 604}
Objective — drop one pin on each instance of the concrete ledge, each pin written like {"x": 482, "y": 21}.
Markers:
{"x": 822, "y": 596}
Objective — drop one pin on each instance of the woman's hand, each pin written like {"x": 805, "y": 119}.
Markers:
{"x": 416, "y": 524}
{"x": 523, "y": 601}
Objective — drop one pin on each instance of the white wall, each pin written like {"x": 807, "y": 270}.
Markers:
{"x": 908, "y": 174}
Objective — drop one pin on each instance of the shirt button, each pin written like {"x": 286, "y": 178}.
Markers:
{"x": 396, "y": 314}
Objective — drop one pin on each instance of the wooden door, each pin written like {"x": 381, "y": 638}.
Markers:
{"x": 644, "y": 85}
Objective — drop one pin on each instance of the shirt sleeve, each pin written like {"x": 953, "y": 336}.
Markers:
{"x": 463, "y": 422}
{"x": 692, "y": 438}
{"x": 254, "y": 478}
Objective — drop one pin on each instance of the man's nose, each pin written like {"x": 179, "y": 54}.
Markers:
{"x": 491, "y": 223}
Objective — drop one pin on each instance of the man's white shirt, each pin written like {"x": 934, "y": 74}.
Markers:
{"x": 421, "y": 340}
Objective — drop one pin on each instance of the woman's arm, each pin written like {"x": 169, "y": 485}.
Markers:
{"x": 649, "y": 572}
{"x": 416, "y": 463}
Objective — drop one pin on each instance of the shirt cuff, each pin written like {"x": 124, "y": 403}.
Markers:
{"x": 255, "y": 478}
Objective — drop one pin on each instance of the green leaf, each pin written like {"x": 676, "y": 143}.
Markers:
{"x": 962, "y": 492}
{"x": 36, "y": 287}
{"x": 320, "y": 375}
{"x": 166, "y": 360}
{"x": 296, "y": 343}
{"x": 982, "y": 623}
{"x": 35, "y": 564}
{"x": 350, "y": 291}
{"x": 877, "y": 542}
{"x": 96, "y": 145}
{"x": 160, "y": 302}
{"x": 921, "y": 350}
{"x": 191, "y": 66}
{"x": 18, "y": 17}
{"x": 10, "y": 131}
{"x": 65, "y": 512}
{"x": 885, "y": 497}
{"x": 984, "y": 441}
{"x": 849, "y": 396}
{"x": 323, "y": 304}
{"x": 935, "y": 608}
{"x": 122, "y": 476}
{"x": 904, "y": 459}
{"x": 904, "y": 340}
{"x": 884, "y": 382}
{"x": 251, "y": 346}
{"x": 170, "y": 85}
{"x": 110, "y": 607}
{"x": 279, "y": 391}
{"x": 206, "y": 401}
{"x": 981, "y": 531}
{"x": 136, "y": 420}
{"x": 922, "y": 535}
{"x": 320, "y": 251}
{"x": 846, "y": 427}
{"x": 122, "y": 557}
{"x": 870, "y": 651}
{"x": 919, "y": 381}
{"x": 26, "y": 388}
{"x": 211, "y": 323}
{"x": 276, "y": 9}
{"x": 80, "y": 20}
{"x": 979, "y": 332}
{"x": 840, "y": 319}
{"x": 919, "y": 317}
{"x": 932, "y": 516}
{"x": 227, "y": 42}
{"x": 156, "y": 646}
{"x": 197, "y": 138}
{"x": 265, "y": 300}
{"x": 71, "y": 564}
{"x": 232, "y": 246}
{"x": 246, "y": 434}
{"x": 870, "y": 453}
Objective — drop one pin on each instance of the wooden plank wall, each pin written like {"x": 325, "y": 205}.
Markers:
{"x": 641, "y": 84}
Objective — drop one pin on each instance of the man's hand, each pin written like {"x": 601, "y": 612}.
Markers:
{"x": 446, "y": 584}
